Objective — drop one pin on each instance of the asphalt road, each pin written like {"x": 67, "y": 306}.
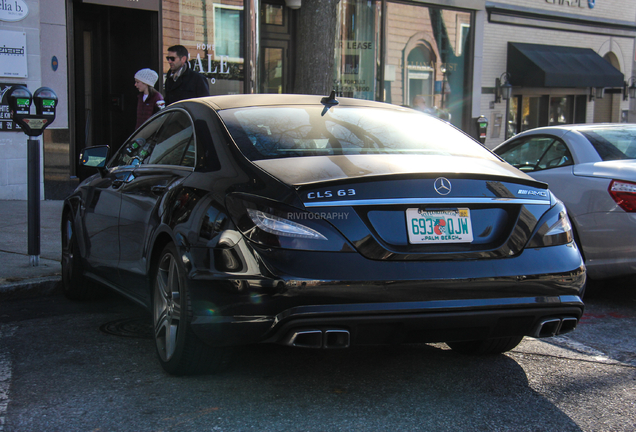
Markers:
{"x": 68, "y": 366}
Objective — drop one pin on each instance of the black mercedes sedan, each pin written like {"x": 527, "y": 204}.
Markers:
{"x": 319, "y": 222}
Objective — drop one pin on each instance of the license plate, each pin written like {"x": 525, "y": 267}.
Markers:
{"x": 439, "y": 226}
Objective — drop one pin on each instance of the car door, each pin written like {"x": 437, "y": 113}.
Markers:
{"x": 103, "y": 205}
{"x": 100, "y": 214}
{"x": 170, "y": 158}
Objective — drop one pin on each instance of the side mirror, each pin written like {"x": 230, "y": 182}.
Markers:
{"x": 94, "y": 157}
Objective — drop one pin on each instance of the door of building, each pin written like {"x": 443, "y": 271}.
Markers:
{"x": 275, "y": 48}
{"x": 110, "y": 45}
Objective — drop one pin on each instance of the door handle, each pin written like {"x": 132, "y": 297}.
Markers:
{"x": 157, "y": 189}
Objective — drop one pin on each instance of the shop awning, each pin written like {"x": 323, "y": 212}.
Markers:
{"x": 532, "y": 65}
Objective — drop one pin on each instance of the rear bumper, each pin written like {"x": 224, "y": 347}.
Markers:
{"x": 387, "y": 302}
{"x": 431, "y": 324}
{"x": 372, "y": 324}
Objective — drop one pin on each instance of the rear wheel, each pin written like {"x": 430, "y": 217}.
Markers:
{"x": 486, "y": 346}
{"x": 74, "y": 283}
{"x": 179, "y": 350}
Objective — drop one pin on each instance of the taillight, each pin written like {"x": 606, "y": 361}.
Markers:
{"x": 624, "y": 193}
{"x": 554, "y": 230}
{"x": 282, "y": 227}
{"x": 274, "y": 224}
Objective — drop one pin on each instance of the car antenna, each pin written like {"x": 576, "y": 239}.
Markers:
{"x": 331, "y": 99}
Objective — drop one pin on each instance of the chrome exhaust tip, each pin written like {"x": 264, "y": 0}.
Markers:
{"x": 568, "y": 324}
{"x": 555, "y": 326}
{"x": 336, "y": 339}
{"x": 315, "y": 338}
{"x": 547, "y": 328}
{"x": 305, "y": 339}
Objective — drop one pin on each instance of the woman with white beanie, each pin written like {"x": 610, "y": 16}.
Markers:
{"x": 149, "y": 100}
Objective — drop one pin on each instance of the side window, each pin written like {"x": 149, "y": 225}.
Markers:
{"x": 536, "y": 153}
{"x": 556, "y": 156}
{"x": 138, "y": 147}
{"x": 174, "y": 144}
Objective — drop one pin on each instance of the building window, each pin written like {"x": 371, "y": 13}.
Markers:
{"x": 228, "y": 30}
{"x": 427, "y": 51}
{"x": 421, "y": 74}
{"x": 272, "y": 70}
{"x": 534, "y": 112}
{"x": 213, "y": 33}
{"x": 357, "y": 49}
{"x": 529, "y": 112}
{"x": 561, "y": 110}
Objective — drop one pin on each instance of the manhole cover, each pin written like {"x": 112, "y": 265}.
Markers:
{"x": 129, "y": 327}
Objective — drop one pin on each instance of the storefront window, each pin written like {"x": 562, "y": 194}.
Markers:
{"x": 357, "y": 49}
{"x": 561, "y": 110}
{"x": 213, "y": 33}
{"x": 529, "y": 112}
{"x": 533, "y": 113}
{"x": 272, "y": 70}
{"x": 512, "y": 125}
{"x": 426, "y": 59}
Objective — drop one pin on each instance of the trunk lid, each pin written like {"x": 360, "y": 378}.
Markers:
{"x": 395, "y": 207}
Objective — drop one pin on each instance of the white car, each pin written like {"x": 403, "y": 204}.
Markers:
{"x": 592, "y": 169}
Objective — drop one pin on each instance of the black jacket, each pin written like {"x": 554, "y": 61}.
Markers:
{"x": 190, "y": 84}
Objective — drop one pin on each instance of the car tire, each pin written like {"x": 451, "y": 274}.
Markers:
{"x": 74, "y": 283}
{"x": 179, "y": 350}
{"x": 487, "y": 346}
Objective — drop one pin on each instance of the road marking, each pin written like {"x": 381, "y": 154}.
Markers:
{"x": 5, "y": 376}
{"x": 583, "y": 349}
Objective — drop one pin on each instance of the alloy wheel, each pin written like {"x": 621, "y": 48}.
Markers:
{"x": 167, "y": 309}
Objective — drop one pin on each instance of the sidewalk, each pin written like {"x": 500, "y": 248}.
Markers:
{"x": 17, "y": 277}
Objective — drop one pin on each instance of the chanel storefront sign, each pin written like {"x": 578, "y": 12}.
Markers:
{"x": 574, "y": 3}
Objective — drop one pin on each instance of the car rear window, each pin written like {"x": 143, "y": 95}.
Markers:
{"x": 299, "y": 131}
{"x": 613, "y": 144}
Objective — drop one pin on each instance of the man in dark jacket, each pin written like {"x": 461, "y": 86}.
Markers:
{"x": 181, "y": 81}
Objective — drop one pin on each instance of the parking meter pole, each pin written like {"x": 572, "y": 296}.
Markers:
{"x": 20, "y": 100}
{"x": 33, "y": 196}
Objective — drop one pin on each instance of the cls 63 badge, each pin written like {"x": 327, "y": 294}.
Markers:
{"x": 331, "y": 193}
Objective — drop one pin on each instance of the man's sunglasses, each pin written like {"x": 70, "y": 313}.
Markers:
{"x": 170, "y": 58}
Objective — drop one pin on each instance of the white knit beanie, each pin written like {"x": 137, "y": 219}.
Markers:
{"x": 147, "y": 76}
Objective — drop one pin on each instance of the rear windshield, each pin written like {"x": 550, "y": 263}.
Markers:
{"x": 297, "y": 131}
{"x": 613, "y": 144}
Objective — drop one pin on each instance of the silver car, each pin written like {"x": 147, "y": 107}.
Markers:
{"x": 592, "y": 169}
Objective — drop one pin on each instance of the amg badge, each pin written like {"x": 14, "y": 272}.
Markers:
{"x": 531, "y": 192}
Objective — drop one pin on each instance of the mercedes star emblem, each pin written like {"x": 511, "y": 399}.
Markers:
{"x": 442, "y": 186}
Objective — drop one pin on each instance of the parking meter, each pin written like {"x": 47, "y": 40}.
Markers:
{"x": 20, "y": 100}
{"x": 45, "y": 101}
{"x": 482, "y": 129}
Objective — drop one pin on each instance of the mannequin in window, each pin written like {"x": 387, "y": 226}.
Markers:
{"x": 419, "y": 104}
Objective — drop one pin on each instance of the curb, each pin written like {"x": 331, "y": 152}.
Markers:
{"x": 30, "y": 288}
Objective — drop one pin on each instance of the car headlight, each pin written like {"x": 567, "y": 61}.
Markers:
{"x": 554, "y": 229}
{"x": 270, "y": 223}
